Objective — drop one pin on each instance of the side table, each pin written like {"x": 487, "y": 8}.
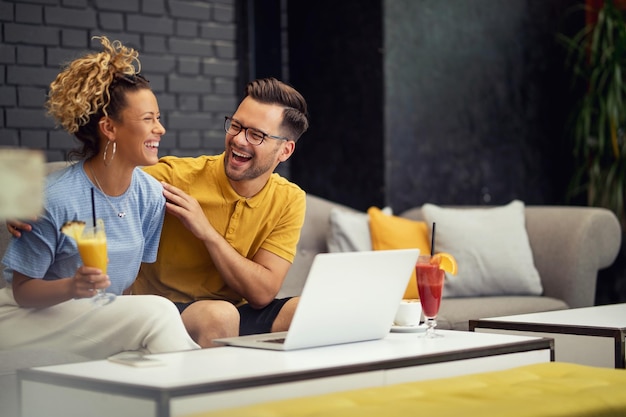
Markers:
{"x": 589, "y": 336}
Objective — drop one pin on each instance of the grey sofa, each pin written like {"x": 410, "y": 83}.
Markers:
{"x": 569, "y": 244}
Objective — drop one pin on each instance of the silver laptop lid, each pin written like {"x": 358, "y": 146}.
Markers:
{"x": 347, "y": 297}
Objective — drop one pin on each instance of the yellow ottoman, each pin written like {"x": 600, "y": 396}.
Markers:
{"x": 542, "y": 390}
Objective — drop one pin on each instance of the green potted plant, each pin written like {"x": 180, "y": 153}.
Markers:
{"x": 597, "y": 58}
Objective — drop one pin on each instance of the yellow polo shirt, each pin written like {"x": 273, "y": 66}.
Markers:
{"x": 271, "y": 220}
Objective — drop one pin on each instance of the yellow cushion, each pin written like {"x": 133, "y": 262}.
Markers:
{"x": 549, "y": 389}
{"x": 393, "y": 232}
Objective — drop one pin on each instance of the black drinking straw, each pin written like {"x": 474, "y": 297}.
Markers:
{"x": 93, "y": 208}
{"x": 432, "y": 240}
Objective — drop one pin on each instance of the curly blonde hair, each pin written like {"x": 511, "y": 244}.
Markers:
{"x": 82, "y": 88}
{"x": 91, "y": 87}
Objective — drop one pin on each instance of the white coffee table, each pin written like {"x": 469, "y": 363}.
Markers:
{"x": 589, "y": 336}
{"x": 222, "y": 377}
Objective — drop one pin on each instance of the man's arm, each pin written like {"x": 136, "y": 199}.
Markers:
{"x": 257, "y": 280}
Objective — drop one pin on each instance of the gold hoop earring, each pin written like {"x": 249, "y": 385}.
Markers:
{"x": 104, "y": 157}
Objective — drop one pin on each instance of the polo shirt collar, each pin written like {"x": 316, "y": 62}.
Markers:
{"x": 231, "y": 195}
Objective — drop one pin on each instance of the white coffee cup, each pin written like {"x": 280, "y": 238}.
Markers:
{"x": 409, "y": 313}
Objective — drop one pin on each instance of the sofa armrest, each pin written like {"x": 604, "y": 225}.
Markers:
{"x": 570, "y": 244}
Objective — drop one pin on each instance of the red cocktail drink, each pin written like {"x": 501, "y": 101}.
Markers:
{"x": 430, "y": 287}
{"x": 430, "y": 280}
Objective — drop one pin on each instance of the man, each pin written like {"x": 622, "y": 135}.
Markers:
{"x": 224, "y": 265}
{"x": 242, "y": 222}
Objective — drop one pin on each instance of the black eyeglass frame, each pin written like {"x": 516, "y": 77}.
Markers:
{"x": 228, "y": 124}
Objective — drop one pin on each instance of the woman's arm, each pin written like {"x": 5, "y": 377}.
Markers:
{"x": 38, "y": 293}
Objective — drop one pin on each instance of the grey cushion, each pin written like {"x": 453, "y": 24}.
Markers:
{"x": 491, "y": 247}
{"x": 350, "y": 231}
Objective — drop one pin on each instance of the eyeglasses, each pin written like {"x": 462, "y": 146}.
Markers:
{"x": 253, "y": 136}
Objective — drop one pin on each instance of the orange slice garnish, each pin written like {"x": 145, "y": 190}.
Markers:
{"x": 446, "y": 262}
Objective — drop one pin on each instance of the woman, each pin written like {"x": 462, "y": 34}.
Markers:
{"x": 111, "y": 110}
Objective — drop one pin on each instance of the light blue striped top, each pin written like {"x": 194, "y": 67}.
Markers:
{"x": 48, "y": 254}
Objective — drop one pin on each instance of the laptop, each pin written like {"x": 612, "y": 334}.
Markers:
{"x": 347, "y": 297}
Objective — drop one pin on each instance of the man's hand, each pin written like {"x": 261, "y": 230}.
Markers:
{"x": 257, "y": 280}
{"x": 15, "y": 227}
{"x": 188, "y": 211}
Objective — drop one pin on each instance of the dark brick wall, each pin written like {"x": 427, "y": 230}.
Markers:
{"x": 188, "y": 51}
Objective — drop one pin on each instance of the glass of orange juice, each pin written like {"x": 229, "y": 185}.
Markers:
{"x": 92, "y": 246}
{"x": 430, "y": 278}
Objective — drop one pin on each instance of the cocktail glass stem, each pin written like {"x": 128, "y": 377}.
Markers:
{"x": 102, "y": 297}
{"x": 431, "y": 322}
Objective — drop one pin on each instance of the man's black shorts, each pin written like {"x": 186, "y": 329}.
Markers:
{"x": 253, "y": 321}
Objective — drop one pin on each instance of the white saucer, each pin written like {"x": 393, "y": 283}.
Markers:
{"x": 408, "y": 329}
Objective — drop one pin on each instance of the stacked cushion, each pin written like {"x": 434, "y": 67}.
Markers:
{"x": 490, "y": 245}
{"x": 393, "y": 232}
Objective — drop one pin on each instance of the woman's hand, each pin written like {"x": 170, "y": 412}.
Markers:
{"x": 87, "y": 280}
